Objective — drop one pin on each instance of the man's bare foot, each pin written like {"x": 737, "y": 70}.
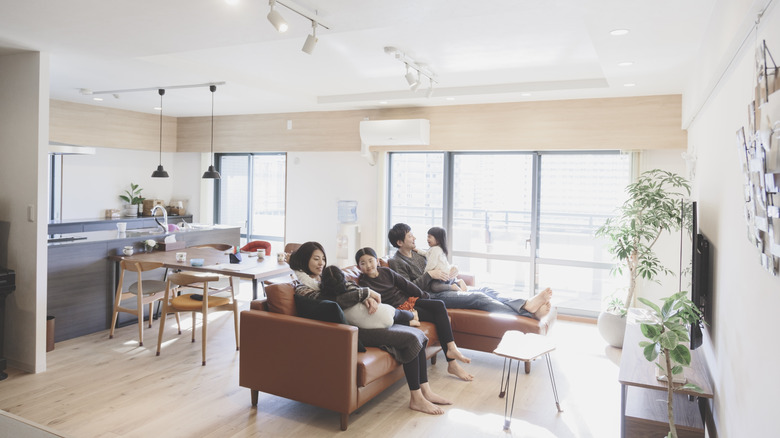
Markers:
{"x": 543, "y": 311}
{"x": 454, "y": 353}
{"x": 432, "y": 397}
{"x": 535, "y": 303}
{"x": 418, "y": 402}
{"x": 456, "y": 370}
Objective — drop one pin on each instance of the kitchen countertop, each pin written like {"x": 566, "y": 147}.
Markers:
{"x": 171, "y": 218}
{"x": 135, "y": 236}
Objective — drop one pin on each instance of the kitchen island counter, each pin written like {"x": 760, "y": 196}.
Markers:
{"x": 80, "y": 273}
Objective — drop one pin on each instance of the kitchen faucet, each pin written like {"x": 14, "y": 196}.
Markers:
{"x": 165, "y": 217}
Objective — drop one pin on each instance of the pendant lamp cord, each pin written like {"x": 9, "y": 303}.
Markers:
{"x": 213, "y": 88}
{"x": 161, "y": 91}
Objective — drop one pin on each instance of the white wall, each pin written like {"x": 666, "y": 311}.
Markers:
{"x": 667, "y": 248}
{"x": 316, "y": 181}
{"x": 742, "y": 356}
{"x": 92, "y": 183}
{"x": 24, "y": 134}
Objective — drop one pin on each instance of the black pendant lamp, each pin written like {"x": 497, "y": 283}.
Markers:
{"x": 160, "y": 172}
{"x": 212, "y": 173}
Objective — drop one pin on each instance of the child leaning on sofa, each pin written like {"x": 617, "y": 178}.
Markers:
{"x": 334, "y": 286}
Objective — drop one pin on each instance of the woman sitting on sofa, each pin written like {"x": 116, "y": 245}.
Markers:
{"x": 405, "y": 344}
{"x": 395, "y": 290}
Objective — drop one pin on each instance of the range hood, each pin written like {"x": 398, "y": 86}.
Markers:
{"x": 56, "y": 148}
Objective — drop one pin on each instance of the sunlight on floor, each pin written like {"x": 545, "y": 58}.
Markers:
{"x": 487, "y": 424}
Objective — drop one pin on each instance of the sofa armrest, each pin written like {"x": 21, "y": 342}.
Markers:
{"x": 547, "y": 321}
{"x": 309, "y": 361}
{"x": 469, "y": 279}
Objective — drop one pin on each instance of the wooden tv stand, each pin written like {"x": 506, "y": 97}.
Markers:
{"x": 643, "y": 397}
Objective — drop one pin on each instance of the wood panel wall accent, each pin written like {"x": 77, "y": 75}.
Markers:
{"x": 92, "y": 125}
{"x": 633, "y": 123}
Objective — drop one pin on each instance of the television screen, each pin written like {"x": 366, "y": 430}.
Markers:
{"x": 700, "y": 274}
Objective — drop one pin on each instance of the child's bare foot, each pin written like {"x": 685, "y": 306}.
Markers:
{"x": 535, "y": 303}
{"x": 414, "y": 323}
{"x": 543, "y": 311}
{"x": 456, "y": 370}
{"x": 454, "y": 353}
{"x": 463, "y": 286}
{"x": 455, "y": 287}
{"x": 432, "y": 396}
{"x": 419, "y": 403}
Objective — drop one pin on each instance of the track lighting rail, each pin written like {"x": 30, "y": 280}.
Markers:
{"x": 87, "y": 91}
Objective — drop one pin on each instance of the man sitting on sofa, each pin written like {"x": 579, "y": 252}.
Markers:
{"x": 411, "y": 265}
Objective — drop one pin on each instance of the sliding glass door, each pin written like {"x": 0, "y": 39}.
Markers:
{"x": 251, "y": 194}
{"x": 491, "y": 221}
{"x": 519, "y": 221}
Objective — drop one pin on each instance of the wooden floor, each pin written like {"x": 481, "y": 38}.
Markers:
{"x": 100, "y": 387}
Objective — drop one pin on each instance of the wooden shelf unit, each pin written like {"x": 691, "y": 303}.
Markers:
{"x": 643, "y": 397}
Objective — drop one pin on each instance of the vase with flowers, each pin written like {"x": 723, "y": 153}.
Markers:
{"x": 150, "y": 245}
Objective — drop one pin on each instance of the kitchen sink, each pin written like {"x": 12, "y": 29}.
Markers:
{"x": 196, "y": 227}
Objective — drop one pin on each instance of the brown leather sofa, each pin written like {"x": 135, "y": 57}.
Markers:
{"x": 318, "y": 363}
{"x": 312, "y": 361}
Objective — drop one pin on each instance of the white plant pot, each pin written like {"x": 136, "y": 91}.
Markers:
{"x": 612, "y": 328}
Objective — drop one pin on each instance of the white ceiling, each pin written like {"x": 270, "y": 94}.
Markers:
{"x": 480, "y": 51}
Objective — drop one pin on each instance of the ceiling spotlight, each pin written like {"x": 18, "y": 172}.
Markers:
{"x": 412, "y": 79}
{"x": 618, "y": 32}
{"x": 276, "y": 18}
{"x": 311, "y": 40}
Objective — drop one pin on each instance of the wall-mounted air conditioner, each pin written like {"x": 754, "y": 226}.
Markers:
{"x": 409, "y": 132}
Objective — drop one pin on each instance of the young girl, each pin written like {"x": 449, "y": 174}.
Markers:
{"x": 335, "y": 287}
{"x": 396, "y": 290}
{"x": 437, "y": 259}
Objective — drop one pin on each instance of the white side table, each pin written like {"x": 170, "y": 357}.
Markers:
{"x": 522, "y": 347}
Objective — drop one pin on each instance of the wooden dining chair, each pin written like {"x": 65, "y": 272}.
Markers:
{"x": 289, "y": 249}
{"x": 145, "y": 292}
{"x": 222, "y": 283}
{"x": 203, "y": 303}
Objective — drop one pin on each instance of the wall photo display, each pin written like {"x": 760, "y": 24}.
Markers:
{"x": 759, "y": 153}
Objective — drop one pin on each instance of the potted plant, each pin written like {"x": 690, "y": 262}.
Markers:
{"x": 667, "y": 331}
{"x": 654, "y": 206}
{"x": 133, "y": 197}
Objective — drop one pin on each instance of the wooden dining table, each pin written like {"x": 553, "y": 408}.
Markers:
{"x": 216, "y": 262}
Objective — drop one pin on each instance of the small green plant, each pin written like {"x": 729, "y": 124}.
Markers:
{"x": 654, "y": 205}
{"x": 668, "y": 339}
{"x": 133, "y": 196}
{"x": 617, "y": 306}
